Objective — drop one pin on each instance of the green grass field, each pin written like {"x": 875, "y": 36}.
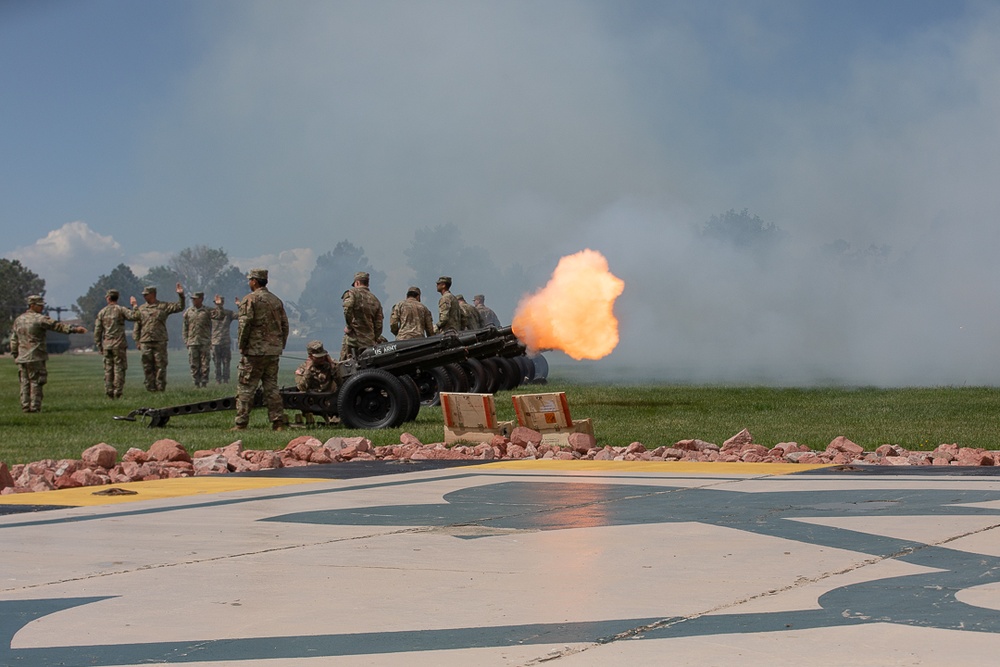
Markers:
{"x": 76, "y": 414}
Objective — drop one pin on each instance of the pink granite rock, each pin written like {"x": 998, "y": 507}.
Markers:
{"x": 168, "y": 450}
{"x": 101, "y": 455}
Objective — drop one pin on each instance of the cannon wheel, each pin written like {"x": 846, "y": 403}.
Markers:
{"x": 527, "y": 368}
{"x": 541, "y": 369}
{"x": 429, "y": 383}
{"x": 478, "y": 381}
{"x": 510, "y": 373}
{"x": 459, "y": 380}
{"x": 373, "y": 398}
{"x": 414, "y": 394}
{"x": 493, "y": 376}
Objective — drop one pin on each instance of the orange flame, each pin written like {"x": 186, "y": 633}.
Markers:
{"x": 573, "y": 313}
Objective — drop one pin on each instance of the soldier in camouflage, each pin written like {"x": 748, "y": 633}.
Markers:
{"x": 362, "y": 315}
{"x": 318, "y": 372}
{"x": 486, "y": 315}
{"x": 198, "y": 338}
{"x": 27, "y": 345}
{"x": 410, "y": 318}
{"x": 262, "y": 334}
{"x": 449, "y": 309}
{"x": 470, "y": 316}
{"x": 222, "y": 343}
{"x": 150, "y": 332}
{"x": 109, "y": 339}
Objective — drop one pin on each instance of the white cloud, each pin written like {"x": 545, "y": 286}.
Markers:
{"x": 70, "y": 259}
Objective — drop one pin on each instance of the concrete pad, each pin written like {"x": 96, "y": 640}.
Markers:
{"x": 511, "y": 564}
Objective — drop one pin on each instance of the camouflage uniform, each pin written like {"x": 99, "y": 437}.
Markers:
{"x": 222, "y": 344}
{"x": 27, "y": 346}
{"x": 109, "y": 339}
{"x": 318, "y": 372}
{"x": 363, "y": 315}
{"x": 470, "y": 316}
{"x": 262, "y": 334}
{"x": 449, "y": 312}
{"x": 486, "y": 315}
{"x": 198, "y": 338}
{"x": 411, "y": 319}
{"x": 150, "y": 332}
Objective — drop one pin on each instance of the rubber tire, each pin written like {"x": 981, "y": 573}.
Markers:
{"x": 459, "y": 380}
{"x": 430, "y": 383}
{"x": 414, "y": 392}
{"x": 527, "y": 369}
{"x": 371, "y": 399}
{"x": 541, "y": 369}
{"x": 492, "y": 374}
{"x": 510, "y": 374}
{"x": 478, "y": 380}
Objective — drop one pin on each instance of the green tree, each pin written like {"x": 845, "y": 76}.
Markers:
{"x": 320, "y": 302}
{"x": 197, "y": 267}
{"x": 742, "y": 230}
{"x": 122, "y": 279}
{"x": 17, "y": 283}
{"x": 229, "y": 283}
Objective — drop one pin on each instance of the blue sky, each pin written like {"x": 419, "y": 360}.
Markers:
{"x": 131, "y": 130}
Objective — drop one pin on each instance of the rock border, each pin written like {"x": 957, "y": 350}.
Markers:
{"x": 167, "y": 458}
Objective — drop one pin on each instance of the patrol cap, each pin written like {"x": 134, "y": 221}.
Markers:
{"x": 315, "y": 348}
{"x": 198, "y": 295}
{"x": 149, "y": 289}
{"x": 112, "y": 294}
{"x": 444, "y": 279}
{"x": 460, "y": 297}
{"x": 362, "y": 276}
{"x": 414, "y": 289}
{"x": 479, "y": 297}
{"x": 36, "y": 300}
{"x": 257, "y": 274}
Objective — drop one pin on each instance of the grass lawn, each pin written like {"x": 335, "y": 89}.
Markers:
{"x": 76, "y": 414}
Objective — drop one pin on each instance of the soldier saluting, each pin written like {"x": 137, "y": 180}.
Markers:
{"x": 150, "y": 332}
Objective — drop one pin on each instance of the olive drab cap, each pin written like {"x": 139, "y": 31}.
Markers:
{"x": 149, "y": 290}
{"x": 444, "y": 279}
{"x": 362, "y": 276}
{"x": 257, "y": 274}
{"x": 315, "y": 348}
{"x": 198, "y": 295}
{"x": 460, "y": 297}
{"x": 112, "y": 294}
{"x": 479, "y": 297}
{"x": 35, "y": 300}
{"x": 414, "y": 289}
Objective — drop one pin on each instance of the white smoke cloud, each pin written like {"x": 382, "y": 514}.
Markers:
{"x": 69, "y": 257}
{"x": 288, "y": 271}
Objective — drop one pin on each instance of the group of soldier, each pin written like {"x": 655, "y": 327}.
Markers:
{"x": 261, "y": 337}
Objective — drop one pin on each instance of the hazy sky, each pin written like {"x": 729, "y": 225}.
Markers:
{"x": 131, "y": 130}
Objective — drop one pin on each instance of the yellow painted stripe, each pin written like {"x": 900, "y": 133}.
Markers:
{"x": 686, "y": 467}
{"x": 150, "y": 490}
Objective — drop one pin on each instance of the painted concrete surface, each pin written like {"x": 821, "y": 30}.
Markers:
{"x": 512, "y": 564}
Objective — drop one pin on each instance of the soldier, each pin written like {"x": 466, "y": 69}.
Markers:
{"x": 198, "y": 338}
{"x": 27, "y": 346}
{"x": 449, "y": 309}
{"x": 486, "y": 315}
{"x": 410, "y": 318}
{"x": 363, "y": 316}
{"x": 109, "y": 339}
{"x": 318, "y": 372}
{"x": 150, "y": 332}
{"x": 262, "y": 334}
{"x": 470, "y": 316}
{"x": 222, "y": 343}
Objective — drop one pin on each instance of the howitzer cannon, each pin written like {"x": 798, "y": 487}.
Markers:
{"x": 385, "y": 385}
